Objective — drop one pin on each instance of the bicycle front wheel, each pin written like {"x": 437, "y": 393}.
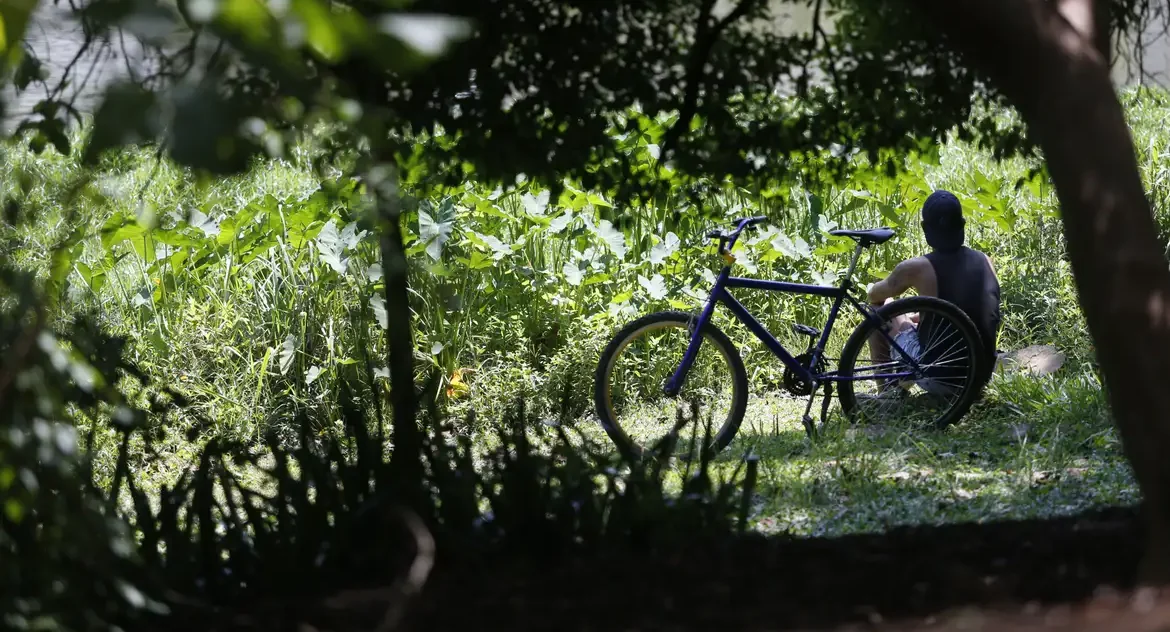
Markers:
{"x": 629, "y": 393}
{"x": 940, "y": 338}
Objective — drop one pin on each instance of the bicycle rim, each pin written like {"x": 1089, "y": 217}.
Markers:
{"x": 945, "y": 346}
{"x": 631, "y": 393}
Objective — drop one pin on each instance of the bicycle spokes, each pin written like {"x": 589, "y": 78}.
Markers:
{"x": 918, "y": 372}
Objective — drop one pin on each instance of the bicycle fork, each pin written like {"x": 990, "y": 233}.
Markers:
{"x": 675, "y": 382}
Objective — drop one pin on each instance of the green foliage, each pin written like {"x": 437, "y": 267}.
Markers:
{"x": 61, "y": 543}
{"x": 519, "y": 88}
{"x": 253, "y": 294}
{"x": 14, "y": 18}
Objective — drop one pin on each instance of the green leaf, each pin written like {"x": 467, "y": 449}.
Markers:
{"x": 54, "y": 130}
{"x": 663, "y": 249}
{"x": 378, "y": 304}
{"x": 612, "y": 238}
{"x": 597, "y": 200}
{"x": 890, "y": 214}
{"x": 331, "y": 247}
{"x": 61, "y": 263}
{"x": 288, "y": 350}
{"x": 120, "y": 227}
{"x": 248, "y": 19}
{"x": 572, "y": 272}
{"x": 655, "y": 286}
{"x": 436, "y": 225}
{"x": 144, "y": 245}
{"x": 816, "y": 207}
{"x": 13, "y": 510}
{"x": 28, "y": 70}
{"x": 321, "y": 34}
{"x": 488, "y": 208}
{"x": 14, "y": 19}
{"x": 984, "y": 184}
{"x": 177, "y": 239}
{"x": 312, "y": 374}
{"x": 480, "y": 260}
{"x": 160, "y": 344}
{"x": 86, "y": 273}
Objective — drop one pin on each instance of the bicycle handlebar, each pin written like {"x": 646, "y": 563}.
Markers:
{"x": 727, "y": 240}
{"x": 752, "y": 221}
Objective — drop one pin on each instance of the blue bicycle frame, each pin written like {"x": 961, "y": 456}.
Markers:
{"x": 720, "y": 294}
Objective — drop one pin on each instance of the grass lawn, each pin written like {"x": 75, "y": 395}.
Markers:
{"x": 1034, "y": 447}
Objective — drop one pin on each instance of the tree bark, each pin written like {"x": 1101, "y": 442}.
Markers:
{"x": 1054, "y": 73}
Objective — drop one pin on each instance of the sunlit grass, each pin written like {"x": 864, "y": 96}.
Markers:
{"x": 1033, "y": 447}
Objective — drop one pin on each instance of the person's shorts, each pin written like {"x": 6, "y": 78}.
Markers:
{"x": 907, "y": 340}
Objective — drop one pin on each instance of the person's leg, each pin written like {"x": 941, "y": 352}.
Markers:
{"x": 879, "y": 347}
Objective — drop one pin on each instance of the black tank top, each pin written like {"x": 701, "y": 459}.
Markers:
{"x": 965, "y": 279}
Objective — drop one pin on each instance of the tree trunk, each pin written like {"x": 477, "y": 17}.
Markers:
{"x": 1060, "y": 82}
{"x": 406, "y": 460}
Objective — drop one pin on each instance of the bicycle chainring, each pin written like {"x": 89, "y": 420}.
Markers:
{"x": 796, "y": 385}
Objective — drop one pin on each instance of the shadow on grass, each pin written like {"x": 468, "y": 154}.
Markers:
{"x": 1031, "y": 448}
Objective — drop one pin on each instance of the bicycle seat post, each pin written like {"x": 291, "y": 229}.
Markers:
{"x": 853, "y": 262}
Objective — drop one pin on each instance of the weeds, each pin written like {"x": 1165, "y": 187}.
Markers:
{"x": 254, "y": 293}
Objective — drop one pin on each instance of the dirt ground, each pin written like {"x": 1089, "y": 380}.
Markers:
{"x": 1069, "y": 573}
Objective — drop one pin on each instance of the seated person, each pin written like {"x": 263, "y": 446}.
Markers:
{"x": 951, "y": 272}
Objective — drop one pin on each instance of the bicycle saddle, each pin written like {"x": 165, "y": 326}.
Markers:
{"x": 867, "y": 237}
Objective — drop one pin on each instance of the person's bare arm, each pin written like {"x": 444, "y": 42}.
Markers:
{"x": 904, "y": 276}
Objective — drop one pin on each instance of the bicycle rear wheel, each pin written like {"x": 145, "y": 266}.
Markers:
{"x": 628, "y": 394}
{"x": 944, "y": 342}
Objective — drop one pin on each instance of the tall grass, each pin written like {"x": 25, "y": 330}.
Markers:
{"x": 253, "y": 294}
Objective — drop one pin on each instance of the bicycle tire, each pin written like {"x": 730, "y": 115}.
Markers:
{"x": 972, "y": 388}
{"x": 711, "y": 334}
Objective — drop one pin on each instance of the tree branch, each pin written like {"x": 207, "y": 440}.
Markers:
{"x": 819, "y": 33}
{"x": 706, "y": 36}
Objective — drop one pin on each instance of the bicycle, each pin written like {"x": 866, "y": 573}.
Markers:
{"x": 900, "y": 360}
